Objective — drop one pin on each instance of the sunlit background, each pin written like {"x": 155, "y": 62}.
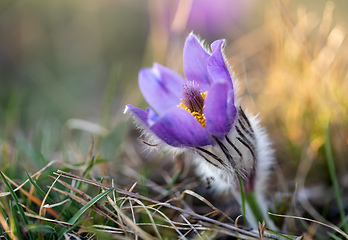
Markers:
{"x": 68, "y": 68}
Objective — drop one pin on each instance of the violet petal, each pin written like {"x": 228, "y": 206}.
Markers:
{"x": 152, "y": 116}
{"x": 161, "y": 87}
{"x": 216, "y": 110}
{"x": 138, "y": 114}
{"x": 195, "y": 62}
{"x": 217, "y": 66}
{"x": 232, "y": 110}
{"x": 179, "y": 128}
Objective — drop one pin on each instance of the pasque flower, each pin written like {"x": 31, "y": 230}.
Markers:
{"x": 192, "y": 112}
{"x": 199, "y": 115}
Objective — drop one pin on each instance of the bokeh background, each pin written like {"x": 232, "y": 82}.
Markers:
{"x": 68, "y": 68}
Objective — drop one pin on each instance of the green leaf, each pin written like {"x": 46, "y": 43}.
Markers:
{"x": 14, "y": 220}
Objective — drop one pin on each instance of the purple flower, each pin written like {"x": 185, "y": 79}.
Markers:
{"x": 198, "y": 115}
{"x": 190, "y": 112}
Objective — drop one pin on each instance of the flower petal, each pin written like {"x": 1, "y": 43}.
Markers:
{"x": 195, "y": 59}
{"x": 216, "y": 110}
{"x": 152, "y": 116}
{"x": 161, "y": 87}
{"x": 138, "y": 114}
{"x": 217, "y": 67}
{"x": 232, "y": 110}
{"x": 179, "y": 128}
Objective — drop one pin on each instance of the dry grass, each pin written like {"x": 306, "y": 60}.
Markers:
{"x": 115, "y": 213}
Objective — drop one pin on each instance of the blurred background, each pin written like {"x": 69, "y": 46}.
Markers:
{"x": 68, "y": 68}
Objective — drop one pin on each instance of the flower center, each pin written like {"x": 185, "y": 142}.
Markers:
{"x": 193, "y": 101}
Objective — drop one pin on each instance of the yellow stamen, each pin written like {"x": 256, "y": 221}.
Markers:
{"x": 199, "y": 116}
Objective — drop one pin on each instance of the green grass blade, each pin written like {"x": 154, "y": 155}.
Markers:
{"x": 333, "y": 176}
{"x": 2, "y": 210}
{"x": 88, "y": 205}
{"x": 175, "y": 177}
{"x": 90, "y": 166}
{"x": 19, "y": 207}
{"x": 74, "y": 219}
{"x": 42, "y": 229}
{"x": 85, "y": 173}
{"x": 334, "y": 236}
{"x": 345, "y": 221}
{"x": 43, "y": 194}
{"x": 37, "y": 187}
{"x": 13, "y": 220}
